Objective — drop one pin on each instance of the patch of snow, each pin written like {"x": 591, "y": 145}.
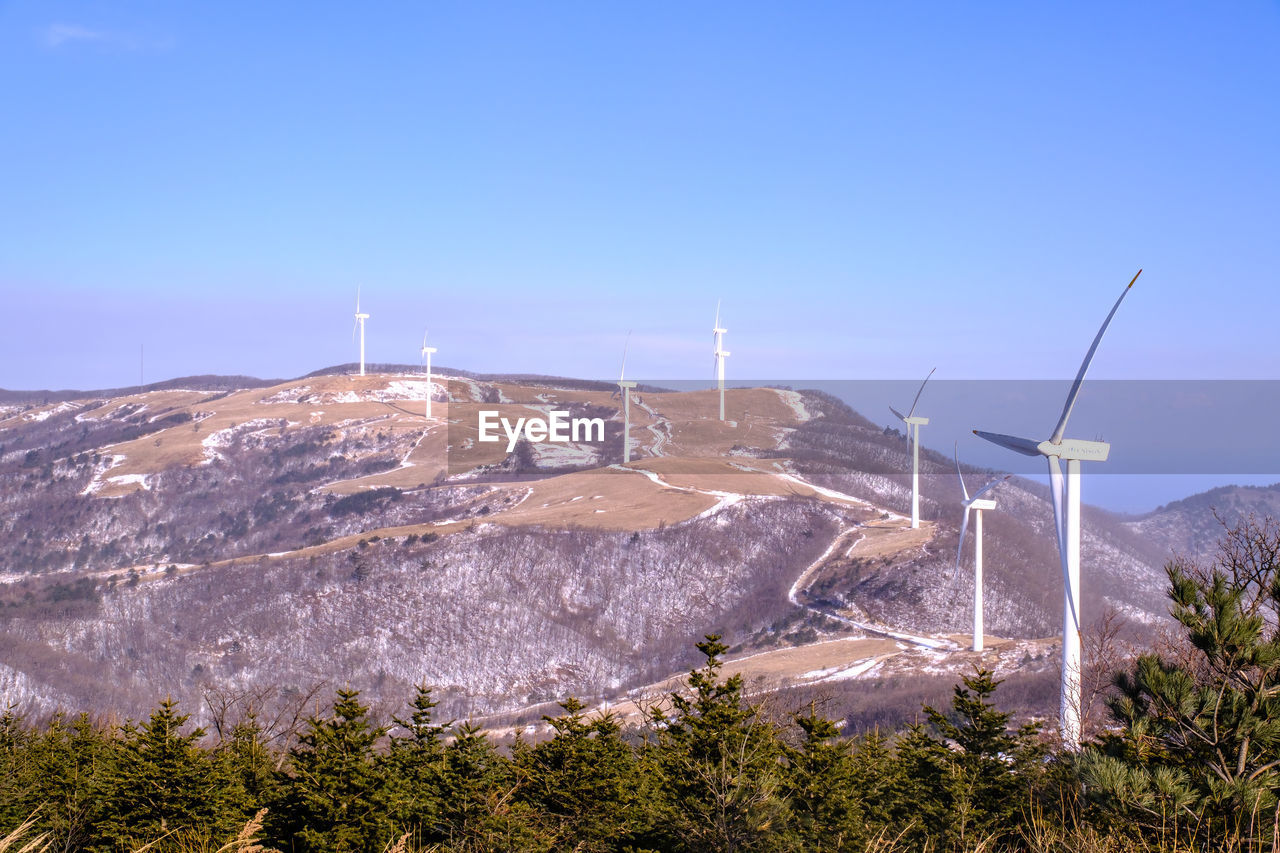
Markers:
{"x": 845, "y": 672}
{"x": 548, "y": 455}
{"x": 45, "y": 414}
{"x": 287, "y": 395}
{"x": 218, "y": 439}
{"x": 796, "y": 403}
{"x": 129, "y": 479}
{"x": 96, "y": 483}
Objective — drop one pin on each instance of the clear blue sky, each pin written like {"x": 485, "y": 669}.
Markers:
{"x": 872, "y": 188}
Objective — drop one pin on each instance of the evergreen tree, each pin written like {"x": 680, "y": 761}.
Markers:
{"x": 876, "y": 774}
{"x": 721, "y": 763}
{"x": 921, "y": 801}
{"x": 480, "y": 809}
{"x": 584, "y": 782}
{"x": 16, "y": 777}
{"x": 160, "y": 785}
{"x": 1198, "y": 751}
{"x": 72, "y": 769}
{"x": 332, "y": 799}
{"x": 990, "y": 770}
{"x": 245, "y": 774}
{"x": 821, "y": 789}
{"x": 415, "y": 766}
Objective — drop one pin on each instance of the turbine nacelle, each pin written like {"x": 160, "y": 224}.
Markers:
{"x": 1068, "y": 448}
{"x": 1076, "y": 448}
{"x": 915, "y": 419}
{"x": 626, "y": 383}
{"x": 979, "y": 503}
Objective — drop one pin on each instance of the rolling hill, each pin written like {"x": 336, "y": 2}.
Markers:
{"x": 228, "y": 537}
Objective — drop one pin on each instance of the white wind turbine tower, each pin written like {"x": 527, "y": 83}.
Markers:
{"x": 624, "y": 388}
{"x": 977, "y": 503}
{"x": 914, "y": 422}
{"x": 426, "y": 355}
{"x": 717, "y": 343}
{"x": 1066, "y": 516}
{"x": 360, "y": 318}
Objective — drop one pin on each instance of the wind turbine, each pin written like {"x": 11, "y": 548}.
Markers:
{"x": 360, "y": 318}
{"x": 720, "y": 354}
{"x": 914, "y": 422}
{"x": 1066, "y": 516}
{"x": 624, "y": 388}
{"x": 426, "y": 355}
{"x": 977, "y": 503}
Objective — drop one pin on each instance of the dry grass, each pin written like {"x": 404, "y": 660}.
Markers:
{"x": 182, "y": 444}
{"x": 606, "y": 498}
{"x": 18, "y": 842}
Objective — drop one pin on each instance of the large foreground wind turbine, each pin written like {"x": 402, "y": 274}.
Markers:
{"x": 914, "y": 422}
{"x": 977, "y": 503}
{"x": 360, "y": 318}
{"x": 1066, "y": 516}
{"x": 718, "y": 350}
{"x": 624, "y": 388}
{"x": 426, "y": 355}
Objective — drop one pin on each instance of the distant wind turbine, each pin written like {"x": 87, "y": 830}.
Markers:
{"x": 1066, "y": 516}
{"x": 977, "y": 503}
{"x": 360, "y": 318}
{"x": 624, "y": 388}
{"x": 426, "y": 356}
{"x": 914, "y": 422}
{"x": 720, "y": 354}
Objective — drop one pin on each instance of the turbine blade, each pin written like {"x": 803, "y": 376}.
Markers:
{"x": 622, "y": 374}
{"x": 989, "y": 486}
{"x": 963, "y": 490}
{"x": 918, "y": 393}
{"x": 901, "y": 416}
{"x": 964, "y": 526}
{"x": 1057, "y": 487}
{"x": 1061, "y": 428}
{"x": 1025, "y": 446}
{"x": 357, "y": 299}
{"x": 717, "y": 325}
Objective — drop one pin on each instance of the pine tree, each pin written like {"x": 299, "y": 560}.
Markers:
{"x": 822, "y": 792}
{"x": 415, "y": 765}
{"x": 244, "y": 774}
{"x": 75, "y": 767}
{"x": 161, "y": 783}
{"x": 1198, "y": 752}
{"x": 16, "y": 775}
{"x": 721, "y": 763}
{"x": 876, "y": 774}
{"x": 331, "y": 800}
{"x": 991, "y": 770}
{"x": 480, "y": 807}
{"x": 584, "y": 782}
